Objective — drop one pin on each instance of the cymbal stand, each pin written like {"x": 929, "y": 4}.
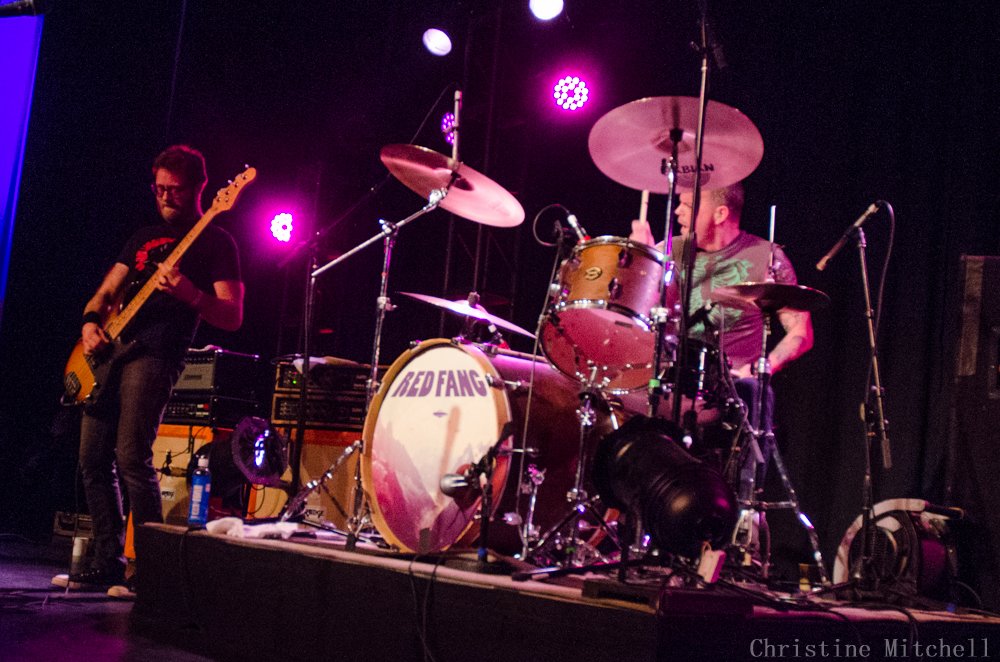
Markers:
{"x": 661, "y": 315}
{"x": 751, "y": 461}
{"x": 581, "y": 503}
{"x": 388, "y": 234}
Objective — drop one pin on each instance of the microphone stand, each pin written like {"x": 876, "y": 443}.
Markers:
{"x": 864, "y": 576}
{"x": 863, "y": 572}
{"x": 661, "y": 315}
{"x": 691, "y": 246}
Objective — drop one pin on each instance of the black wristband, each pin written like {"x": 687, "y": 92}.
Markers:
{"x": 92, "y": 316}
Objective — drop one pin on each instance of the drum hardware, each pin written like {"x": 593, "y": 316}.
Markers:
{"x": 528, "y": 530}
{"x": 581, "y": 504}
{"x": 769, "y": 297}
{"x": 453, "y": 186}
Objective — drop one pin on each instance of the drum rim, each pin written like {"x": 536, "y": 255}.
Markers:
{"x": 504, "y": 415}
{"x": 612, "y": 240}
{"x": 602, "y": 304}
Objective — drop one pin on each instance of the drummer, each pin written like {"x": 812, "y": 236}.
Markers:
{"x": 728, "y": 255}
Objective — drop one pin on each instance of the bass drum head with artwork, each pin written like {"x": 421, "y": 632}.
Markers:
{"x": 437, "y": 411}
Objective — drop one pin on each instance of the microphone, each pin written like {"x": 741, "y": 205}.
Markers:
{"x": 453, "y": 484}
{"x": 573, "y": 223}
{"x": 872, "y": 208}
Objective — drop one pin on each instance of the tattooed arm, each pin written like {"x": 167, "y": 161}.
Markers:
{"x": 797, "y": 341}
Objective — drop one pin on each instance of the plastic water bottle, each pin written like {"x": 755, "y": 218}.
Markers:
{"x": 201, "y": 488}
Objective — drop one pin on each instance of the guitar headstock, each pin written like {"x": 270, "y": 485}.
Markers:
{"x": 226, "y": 198}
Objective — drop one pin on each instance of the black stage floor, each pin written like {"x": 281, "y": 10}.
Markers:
{"x": 248, "y": 598}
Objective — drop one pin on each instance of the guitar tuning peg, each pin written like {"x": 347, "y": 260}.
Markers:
{"x": 246, "y": 166}
{"x": 230, "y": 181}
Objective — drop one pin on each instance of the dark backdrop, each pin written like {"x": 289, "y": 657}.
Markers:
{"x": 855, "y": 102}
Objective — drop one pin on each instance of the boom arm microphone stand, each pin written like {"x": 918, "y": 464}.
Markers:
{"x": 864, "y": 575}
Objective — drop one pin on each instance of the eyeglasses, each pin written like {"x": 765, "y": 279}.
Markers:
{"x": 160, "y": 190}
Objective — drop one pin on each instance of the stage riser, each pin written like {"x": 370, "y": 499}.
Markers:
{"x": 268, "y": 604}
{"x": 252, "y": 600}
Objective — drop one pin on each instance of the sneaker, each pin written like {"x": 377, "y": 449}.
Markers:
{"x": 62, "y": 581}
{"x": 124, "y": 591}
{"x": 89, "y": 579}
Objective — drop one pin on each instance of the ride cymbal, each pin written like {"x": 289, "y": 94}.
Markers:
{"x": 631, "y": 144}
{"x": 472, "y": 195}
{"x": 771, "y": 297}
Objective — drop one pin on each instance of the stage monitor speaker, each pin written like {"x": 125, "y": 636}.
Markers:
{"x": 974, "y": 434}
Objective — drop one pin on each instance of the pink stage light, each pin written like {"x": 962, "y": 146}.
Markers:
{"x": 281, "y": 227}
{"x": 447, "y": 124}
{"x": 570, "y": 93}
{"x": 545, "y": 10}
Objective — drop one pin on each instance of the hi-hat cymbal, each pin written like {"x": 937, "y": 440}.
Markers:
{"x": 631, "y": 144}
{"x": 464, "y": 309}
{"x": 473, "y": 195}
{"x": 771, "y": 297}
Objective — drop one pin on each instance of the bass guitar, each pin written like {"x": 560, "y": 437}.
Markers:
{"x": 85, "y": 374}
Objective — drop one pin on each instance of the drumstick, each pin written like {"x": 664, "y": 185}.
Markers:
{"x": 643, "y": 206}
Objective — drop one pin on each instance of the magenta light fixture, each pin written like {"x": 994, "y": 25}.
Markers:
{"x": 545, "y": 10}
{"x": 447, "y": 127}
{"x": 570, "y": 93}
{"x": 437, "y": 42}
{"x": 281, "y": 227}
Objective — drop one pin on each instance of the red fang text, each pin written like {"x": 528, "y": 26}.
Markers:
{"x": 446, "y": 383}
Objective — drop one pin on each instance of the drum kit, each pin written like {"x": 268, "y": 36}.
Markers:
{"x": 464, "y": 437}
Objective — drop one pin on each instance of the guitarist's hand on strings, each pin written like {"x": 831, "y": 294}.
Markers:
{"x": 94, "y": 338}
{"x": 177, "y": 285}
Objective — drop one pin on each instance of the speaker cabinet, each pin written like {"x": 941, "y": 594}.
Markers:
{"x": 172, "y": 452}
{"x": 974, "y": 461}
{"x": 320, "y": 450}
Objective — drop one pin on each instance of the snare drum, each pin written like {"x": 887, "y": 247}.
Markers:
{"x": 440, "y": 408}
{"x": 598, "y": 325}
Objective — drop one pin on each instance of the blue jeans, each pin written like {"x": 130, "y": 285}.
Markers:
{"x": 123, "y": 438}
{"x": 748, "y": 388}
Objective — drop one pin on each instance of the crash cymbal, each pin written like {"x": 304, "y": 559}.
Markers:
{"x": 463, "y": 308}
{"x": 473, "y": 196}
{"x": 771, "y": 297}
{"x": 630, "y": 144}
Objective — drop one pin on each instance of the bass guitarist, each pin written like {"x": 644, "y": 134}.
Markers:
{"x": 120, "y": 425}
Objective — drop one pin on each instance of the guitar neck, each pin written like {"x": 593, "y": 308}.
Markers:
{"x": 117, "y": 324}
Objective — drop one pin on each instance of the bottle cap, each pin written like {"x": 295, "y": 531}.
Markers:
{"x": 202, "y": 462}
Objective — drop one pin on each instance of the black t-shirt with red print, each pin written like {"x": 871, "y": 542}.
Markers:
{"x": 165, "y": 326}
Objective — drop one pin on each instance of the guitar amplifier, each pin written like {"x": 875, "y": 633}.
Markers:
{"x": 208, "y": 410}
{"x": 343, "y": 411}
{"x": 323, "y": 378}
{"x": 219, "y": 372}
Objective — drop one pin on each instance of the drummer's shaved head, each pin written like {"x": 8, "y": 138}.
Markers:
{"x": 730, "y": 196}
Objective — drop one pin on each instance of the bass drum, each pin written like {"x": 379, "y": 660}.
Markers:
{"x": 440, "y": 408}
